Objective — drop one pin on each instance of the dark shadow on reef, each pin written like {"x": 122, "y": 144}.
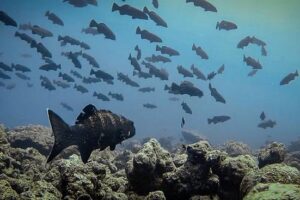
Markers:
{"x": 145, "y": 170}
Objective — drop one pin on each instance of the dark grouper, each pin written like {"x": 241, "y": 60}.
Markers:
{"x": 93, "y": 129}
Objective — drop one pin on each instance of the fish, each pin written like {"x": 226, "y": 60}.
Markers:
{"x": 149, "y": 106}
{"x": 167, "y": 50}
{"x": 226, "y": 25}
{"x": 66, "y": 106}
{"x": 40, "y": 48}
{"x": 54, "y": 18}
{"x": 21, "y": 68}
{"x": 157, "y": 58}
{"x": 203, "y": 4}
{"x": 155, "y": 3}
{"x": 200, "y": 52}
{"x": 101, "y": 96}
{"x": 173, "y": 98}
{"x": 61, "y": 84}
{"x": 184, "y": 87}
{"x": 42, "y": 32}
{"x": 155, "y": 17}
{"x": 26, "y": 55}
{"x": 22, "y": 76}
{"x": 192, "y": 136}
{"x": 46, "y": 83}
{"x": 24, "y": 36}
{"x": 66, "y": 77}
{"x": 101, "y": 74}
{"x": 141, "y": 74}
{"x": 92, "y": 61}
{"x": 81, "y": 3}
{"x": 81, "y": 88}
{"x": 4, "y": 76}
{"x": 162, "y": 74}
{"x": 50, "y": 66}
{"x": 221, "y": 69}
{"x": 186, "y": 108}
{"x": 64, "y": 40}
{"x": 146, "y": 89}
{"x": 252, "y": 62}
{"x": 25, "y": 27}
{"x": 244, "y": 42}
{"x": 124, "y": 78}
{"x": 288, "y": 78}
{"x": 185, "y": 72}
{"x": 5, "y": 67}
{"x": 262, "y": 116}
{"x": 267, "y": 124}
{"x": 218, "y": 119}
{"x": 90, "y": 80}
{"x": 182, "y": 122}
{"x": 116, "y": 96}
{"x": 76, "y": 74}
{"x": 148, "y": 35}
{"x": 90, "y": 30}
{"x": 130, "y": 11}
{"x": 198, "y": 73}
{"x": 138, "y": 52}
{"x": 258, "y": 42}
{"x": 134, "y": 63}
{"x": 73, "y": 57}
{"x": 263, "y": 51}
{"x": 103, "y": 29}
{"x": 215, "y": 94}
{"x": 253, "y": 72}
{"x": 7, "y": 20}
{"x": 10, "y": 86}
{"x": 93, "y": 129}
{"x": 211, "y": 75}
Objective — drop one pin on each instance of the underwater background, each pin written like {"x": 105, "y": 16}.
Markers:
{"x": 275, "y": 22}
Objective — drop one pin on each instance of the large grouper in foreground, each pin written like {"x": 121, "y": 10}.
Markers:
{"x": 93, "y": 129}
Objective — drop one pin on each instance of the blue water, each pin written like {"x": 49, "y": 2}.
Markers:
{"x": 275, "y": 22}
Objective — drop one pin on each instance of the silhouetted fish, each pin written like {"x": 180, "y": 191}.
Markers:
{"x": 218, "y": 119}
{"x": 90, "y": 80}
{"x": 263, "y": 51}
{"x": 173, "y": 98}
{"x": 66, "y": 77}
{"x": 81, "y": 3}
{"x": 25, "y": 27}
{"x": 46, "y": 83}
{"x": 35, "y": 29}
{"x": 244, "y": 42}
{"x": 147, "y": 35}
{"x": 226, "y": 25}
{"x": 81, "y": 88}
{"x": 203, "y": 4}
{"x": 221, "y": 69}
{"x": 155, "y": 3}
{"x": 10, "y": 86}
{"x": 262, "y": 116}
{"x": 149, "y": 106}
{"x": 141, "y": 74}
{"x": 90, "y": 30}
{"x": 66, "y": 106}
{"x": 21, "y": 68}
{"x": 211, "y": 75}
{"x": 50, "y": 66}
{"x": 147, "y": 89}
{"x": 138, "y": 52}
{"x": 184, "y": 71}
{"x": 73, "y": 57}
{"x": 200, "y": 52}
{"x": 215, "y": 94}
{"x": 124, "y": 78}
{"x": 7, "y": 20}
{"x": 5, "y": 67}
{"x": 158, "y": 58}
{"x": 101, "y": 74}
{"x": 104, "y": 29}
{"x": 267, "y": 124}
{"x": 101, "y": 96}
{"x": 54, "y": 18}
{"x": 24, "y": 36}
{"x": 4, "y": 76}
{"x": 186, "y": 108}
{"x": 185, "y": 87}
{"x": 253, "y": 72}
{"x": 61, "y": 84}
{"x": 22, "y": 76}
{"x": 288, "y": 78}
{"x": 155, "y": 17}
{"x": 70, "y": 40}
{"x": 116, "y": 96}
{"x": 198, "y": 73}
{"x": 159, "y": 73}
{"x": 76, "y": 74}
{"x": 182, "y": 122}
{"x": 252, "y": 62}
{"x": 167, "y": 50}
{"x": 92, "y": 61}
{"x": 40, "y": 48}
{"x": 129, "y": 10}
{"x": 134, "y": 63}
{"x": 26, "y": 55}
{"x": 258, "y": 42}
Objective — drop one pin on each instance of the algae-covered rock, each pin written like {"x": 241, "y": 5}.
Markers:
{"x": 6, "y": 191}
{"x": 205, "y": 197}
{"x": 273, "y": 153}
{"x": 234, "y": 148}
{"x": 156, "y": 195}
{"x": 293, "y": 159}
{"x": 272, "y": 191}
{"x": 275, "y": 173}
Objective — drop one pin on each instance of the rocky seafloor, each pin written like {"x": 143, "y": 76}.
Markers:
{"x": 146, "y": 169}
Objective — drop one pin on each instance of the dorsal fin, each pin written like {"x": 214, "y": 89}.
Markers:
{"x": 87, "y": 111}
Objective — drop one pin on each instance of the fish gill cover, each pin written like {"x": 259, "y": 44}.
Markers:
{"x": 210, "y": 62}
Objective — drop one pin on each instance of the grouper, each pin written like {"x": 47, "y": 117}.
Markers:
{"x": 93, "y": 129}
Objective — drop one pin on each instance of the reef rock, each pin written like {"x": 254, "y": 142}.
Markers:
{"x": 234, "y": 148}
{"x": 156, "y": 195}
{"x": 273, "y": 153}
{"x": 6, "y": 191}
{"x": 293, "y": 159}
{"x": 144, "y": 171}
{"x": 192, "y": 136}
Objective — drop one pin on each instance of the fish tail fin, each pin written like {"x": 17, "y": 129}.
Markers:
{"x": 47, "y": 13}
{"x": 17, "y": 34}
{"x": 93, "y": 23}
{"x": 209, "y": 121}
{"x": 296, "y": 73}
{"x": 92, "y": 72}
{"x": 60, "y": 38}
{"x": 129, "y": 57}
{"x": 194, "y": 47}
{"x": 62, "y": 134}
{"x": 167, "y": 87}
{"x": 244, "y": 58}
{"x": 94, "y": 94}
{"x": 145, "y": 10}
{"x": 136, "y": 47}
{"x": 158, "y": 48}
{"x": 115, "y": 7}
{"x": 138, "y": 30}
{"x": 218, "y": 26}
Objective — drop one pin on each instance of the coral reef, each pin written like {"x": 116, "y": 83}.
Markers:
{"x": 293, "y": 159}
{"x": 138, "y": 171}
